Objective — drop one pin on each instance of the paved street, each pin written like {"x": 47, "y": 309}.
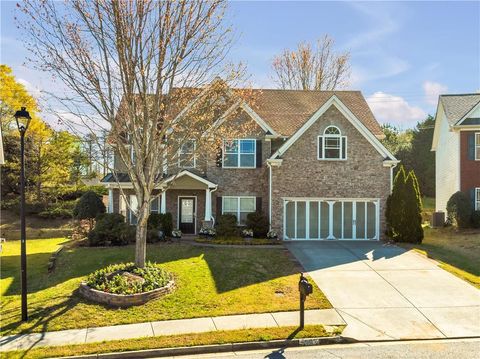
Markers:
{"x": 384, "y": 292}
{"x": 445, "y": 349}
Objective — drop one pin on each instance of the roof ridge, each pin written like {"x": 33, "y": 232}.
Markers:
{"x": 461, "y": 94}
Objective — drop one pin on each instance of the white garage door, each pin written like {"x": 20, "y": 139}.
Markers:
{"x": 331, "y": 219}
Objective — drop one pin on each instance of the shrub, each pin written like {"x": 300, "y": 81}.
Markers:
{"x": 88, "y": 207}
{"x": 111, "y": 229}
{"x": 403, "y": 210}
{"x": 475, "y": 219}
{"x": 154, "y": 236}
{"x": 111, "y": 279}
{"x": 259, "y": 224}
{"x": 56, "y": 212}
{"x": 459, "y": 210}
{"x": 161, "y": 221}
{"x": 226, "y": 225}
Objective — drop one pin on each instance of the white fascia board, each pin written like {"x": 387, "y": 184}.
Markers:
{"x": 258, "y": 119}
{"x": 275, "y": 162}
{"x": 459, "y": 122}
{"x": 436, "y": 131}
{"x": 335, "y": 101}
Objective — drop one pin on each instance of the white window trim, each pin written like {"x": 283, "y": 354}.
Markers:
{"x": 194, "y": 155}
{"x": 477, "y": 199}
{"x": 224, "y": 152}
{"x": 476, "y": 145}
{"x": 238, "y": 205}
{"x": 322, "y": 138}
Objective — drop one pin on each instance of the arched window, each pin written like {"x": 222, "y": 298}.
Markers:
{"x": 332, "y": 145}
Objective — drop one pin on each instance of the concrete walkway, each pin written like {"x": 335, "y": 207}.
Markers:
{"x": 384, "y": 292}
{"x": 328, "y": 317}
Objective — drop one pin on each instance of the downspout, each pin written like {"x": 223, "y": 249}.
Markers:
{"x": 211, "y": 215}
{"x": 269, "y": 195}
{"x": 391, "y": 177}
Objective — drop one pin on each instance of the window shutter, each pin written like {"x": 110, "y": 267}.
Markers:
{"x": 258, "y": 204}
{"x": 219, "y": 207}
{"x": 219, "y": 156}
{"x": 259, "y": 154}
{"x": 471, "y": 146}
{"x": 320, "y": 146}
{"x": 344, "y": 147}
{"x": 472, "y": 198}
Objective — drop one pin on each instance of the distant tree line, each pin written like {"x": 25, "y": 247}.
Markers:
{"x": 413, "y": 148}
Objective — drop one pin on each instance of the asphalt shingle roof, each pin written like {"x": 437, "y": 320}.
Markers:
{"x": 457, "y": 106}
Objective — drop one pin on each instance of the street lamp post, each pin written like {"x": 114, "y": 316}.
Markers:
{"x": 23, "y": 118}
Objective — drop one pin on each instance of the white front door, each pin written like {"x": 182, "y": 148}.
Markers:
{"x": 331, "y": 219}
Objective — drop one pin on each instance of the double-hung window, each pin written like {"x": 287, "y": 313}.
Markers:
{"x": 239, "y": 153}
{"x": 477, "y": 199}
{"x": 332, "y": 145}
{"x": 477, "y": 146}
{"x": 240, "y": 207}
{"x": 186, "y": 155}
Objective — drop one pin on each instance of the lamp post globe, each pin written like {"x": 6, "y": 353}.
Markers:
{"x": 22, "y": 118}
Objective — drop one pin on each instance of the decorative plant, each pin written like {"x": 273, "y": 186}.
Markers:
{"x": 177, "y": 233}
{"x": 247, "y": 233}
{"x": 272, "y": 234}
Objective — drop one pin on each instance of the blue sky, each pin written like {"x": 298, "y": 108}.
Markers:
{"x": 403, "y": 54}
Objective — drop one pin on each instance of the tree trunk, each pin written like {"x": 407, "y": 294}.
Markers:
{"x": 141, "y": 235}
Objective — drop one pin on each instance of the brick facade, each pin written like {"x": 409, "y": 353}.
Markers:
{"x": 469, "y": 168}
{"x": 301, "y": 174}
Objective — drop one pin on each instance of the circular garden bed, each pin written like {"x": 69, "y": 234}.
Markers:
{"x": 124, "y": 285}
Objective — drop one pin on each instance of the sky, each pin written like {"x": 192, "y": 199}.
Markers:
{"x": 403, "y": 54}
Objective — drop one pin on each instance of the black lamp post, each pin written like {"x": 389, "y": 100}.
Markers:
{"x": 23, "y": 118}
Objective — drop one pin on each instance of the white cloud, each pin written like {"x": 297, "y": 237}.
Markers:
{"x": 394, "y": 109}
{"x": 432, "y": 91}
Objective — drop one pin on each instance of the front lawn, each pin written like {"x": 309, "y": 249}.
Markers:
{"x": 210, "y": 282}
{"x": 457, "y": 251}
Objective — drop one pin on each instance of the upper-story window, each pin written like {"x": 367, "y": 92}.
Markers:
{"x": 477, "y": 146}
{"x": 186, "y": 155}
{"x": 332, "y": 145}
{"x": 239, "y": 153}
{"x": 477, "y": 199}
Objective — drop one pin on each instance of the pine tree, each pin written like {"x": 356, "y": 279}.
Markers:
{"x": 394, "y": 210}
{"x": 412, "y": 230}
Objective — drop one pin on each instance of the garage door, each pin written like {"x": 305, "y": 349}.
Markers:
{"x": 331, "y": 219}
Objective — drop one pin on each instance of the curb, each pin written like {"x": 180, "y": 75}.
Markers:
{"x": 218, "y": 348}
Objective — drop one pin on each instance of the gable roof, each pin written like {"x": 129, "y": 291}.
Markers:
{"x": 287, "y": 110}
{"x": 456, "y": 107}
{"x": 334, "y": 100}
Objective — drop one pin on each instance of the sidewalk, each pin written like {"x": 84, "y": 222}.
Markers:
{"x": 168, "y": 327}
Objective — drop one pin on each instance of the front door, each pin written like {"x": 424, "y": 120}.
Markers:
{"x": 187, "y": 214}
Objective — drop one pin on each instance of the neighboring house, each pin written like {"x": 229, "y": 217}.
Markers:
{"x": 312, "y": 163}
{"x": 456, "y": 142}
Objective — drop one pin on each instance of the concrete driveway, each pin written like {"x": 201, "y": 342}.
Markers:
{"x": 384, "y": 292}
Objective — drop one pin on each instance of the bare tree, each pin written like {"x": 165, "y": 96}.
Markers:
{"x": 312, "y": 68}
{"x": 131, "y": 68}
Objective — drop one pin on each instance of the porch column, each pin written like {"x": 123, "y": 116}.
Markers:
{"x": 110, "y": 200}
{"x": 163, "y": 202}
{"x": 208, "y": 204}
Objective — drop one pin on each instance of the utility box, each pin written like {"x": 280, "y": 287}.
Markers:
{"x": 438, "y": 219}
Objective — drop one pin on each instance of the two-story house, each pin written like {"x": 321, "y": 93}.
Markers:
{"x": 456, "y": 142}
{"x": 312, "y": 162}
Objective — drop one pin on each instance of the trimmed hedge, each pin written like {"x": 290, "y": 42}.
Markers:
{"x": 258, "y": 223}
{"x": 111, "y": 230}
{"x": 226, "y": 225}
{"x": 459, "y": 210}
{"x": 161, "y": 221}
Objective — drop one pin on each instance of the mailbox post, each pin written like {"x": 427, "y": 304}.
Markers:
{"x": 305, "y": 289}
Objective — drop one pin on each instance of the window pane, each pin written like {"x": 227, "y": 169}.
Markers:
{"x": 371, "y": 220}
{"x": 332, "y": 142}
{"x": 290, "y": 219}
{"x": 187, "y": 160}
{"x": 231, "y": 146}
{"x": 332, "y": 153}
{"x": 347, "y": 220}
{"x": 247, "y": 160}
{"x": 230, "y": 204}
{"x": 324, "y": 219}
{"x": 233, "y": 213}
{"x": 230, "y": 160}
{"x": 188, "y": 147}
{"x": 243, "y": 218}
{"x": 360, "y": 220}
{"x": 337, "y": 220}
{"x": 301, "y": 220}
{"x": 154, "y": 206}
{"x": 247, "y": 146}
{"x": 313, "y": 220}
{"x": 247, "y": 204}
{"x": 332, "y": 131}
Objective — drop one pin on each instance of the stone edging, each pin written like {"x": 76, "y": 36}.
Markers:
{"x": 124, "y": 300}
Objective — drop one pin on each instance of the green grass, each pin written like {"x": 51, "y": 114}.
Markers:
{"x": 220, "y": 337}
{"x": 457, "y": 251}
{"x": 210, "y": 282}
{"x": 238, "y": 241}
